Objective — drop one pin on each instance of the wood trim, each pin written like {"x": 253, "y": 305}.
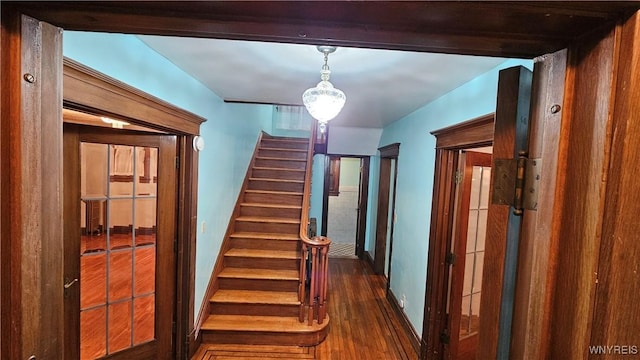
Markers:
{"x": 404, "y": 321}
{"x": 363, "y": 206}
{"x": 615, "y": 319}
{"x": 88, "y": 90}
{"x": 522, "y": 29}
{"x": 540, "y": 237}
{"x": 503, "y": 226}
{"x": 368, "y": 259}
{"x": 325, "y": 198}
{"x": 587, "y": 128}
{"x": 11, "y": 122}
{"x": 384, "y": 186}
{"x": 475, "y": 132}
{"x": 31, "y": 209}
{"x": 440, "y": 232}
{"x": 226, "y": 242}
{"x": 187, "y": 231}
{"x": 390, "y": 151}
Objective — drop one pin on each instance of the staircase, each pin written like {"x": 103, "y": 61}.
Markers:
{"x": 255, "y": 292}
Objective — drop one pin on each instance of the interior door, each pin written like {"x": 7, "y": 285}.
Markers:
{"x": 120, "y": 226}
{"x": 468, "y": 249}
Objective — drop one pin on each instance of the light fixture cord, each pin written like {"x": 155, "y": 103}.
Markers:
{"x": 324, "y": 74}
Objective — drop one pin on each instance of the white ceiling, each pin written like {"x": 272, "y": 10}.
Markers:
{"x": 381, "y": 85}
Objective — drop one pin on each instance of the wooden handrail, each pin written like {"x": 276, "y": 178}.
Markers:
{"x": 313, "y": 250}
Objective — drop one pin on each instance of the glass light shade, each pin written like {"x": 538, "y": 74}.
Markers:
{"x": 323, "y": 102}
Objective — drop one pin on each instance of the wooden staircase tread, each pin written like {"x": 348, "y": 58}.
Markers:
{"x": 259, "y": 253}
{"x": 269, "y": 205}
{"x": 287, "y": 139}
{"x": 256, "y": 297}
{"x": 285, "y": 324}
{"x": 264, "y": 219}
{"x": 277, "y": 180}
{"x": 273, "y": 192}
{"x": 276, "y": 168}
{"x": 265, "y": 236}
{"x": 282, "y": 149}
{"x": 259, "y": 274}
{"x": 279, "y": 158}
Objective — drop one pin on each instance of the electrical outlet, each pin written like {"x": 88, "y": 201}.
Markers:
{"x": 403, "y": 301}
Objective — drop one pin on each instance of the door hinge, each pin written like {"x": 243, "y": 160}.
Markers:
{"x": 457, "y": 177}
{"x": 516, "y": 182}
{"x": 177, "y": 162}
{"x": 450, "y": 259}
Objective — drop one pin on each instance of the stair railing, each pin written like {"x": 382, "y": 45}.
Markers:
{"x": 314, "y": 267}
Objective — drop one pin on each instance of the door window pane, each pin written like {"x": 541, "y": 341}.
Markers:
{"x": 118, "y": 247}
{"x": 474, "y": 258}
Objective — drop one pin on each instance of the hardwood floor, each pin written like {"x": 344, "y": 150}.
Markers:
{"x": 363, "y": 324}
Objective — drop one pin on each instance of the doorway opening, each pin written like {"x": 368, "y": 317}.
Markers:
{"x": 117, "y": 182}
{"x": 462, "y": 176}
{"x": 386, "y": 210}
{"x": 346, "y": 203}
{"x": 150, "y": 165}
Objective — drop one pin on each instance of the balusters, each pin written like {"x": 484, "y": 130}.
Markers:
{"x": 316, "y": 254}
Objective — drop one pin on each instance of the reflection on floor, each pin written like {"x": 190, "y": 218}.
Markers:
{"x": 469, "y": 328}
{"x": 117, "y": 311}
{"x": 363, "y": 324}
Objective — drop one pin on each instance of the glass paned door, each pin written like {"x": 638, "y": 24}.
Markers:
{"x": 468, "y": 246}
{"x": 121, "y": 226}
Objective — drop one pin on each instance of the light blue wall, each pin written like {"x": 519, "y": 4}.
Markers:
{"x": 416, "y": 164}
{"x": 372, "y": 212}
{"x": 231, "y": 130}
{"x": 317, "y": 189}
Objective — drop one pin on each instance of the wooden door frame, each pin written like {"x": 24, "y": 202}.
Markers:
{"x": 558, "y": 140}
{"x": 167, "y": 202}
{"x": 476, "y": 132}
{"x": 363, "y": 192}
{"x": 387, "y": 153}
{"x": 85, "y": 89}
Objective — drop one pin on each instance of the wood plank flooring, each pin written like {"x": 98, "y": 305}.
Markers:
{"x": 363, "y": 324}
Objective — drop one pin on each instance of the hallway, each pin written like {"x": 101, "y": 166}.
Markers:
{"x": 363, "y": 324}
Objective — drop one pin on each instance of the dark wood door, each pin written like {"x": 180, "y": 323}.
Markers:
{"x": 120, "y": 226}
{"x": 468, "y": 248}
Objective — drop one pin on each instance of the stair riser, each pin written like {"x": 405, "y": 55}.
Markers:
{"x": 254, "y": 309}
{"x": 283, "y": 154}
{"x": 261, "y": 263}
{"x": 273, "y": 198}
{"x": 283, "y": 164}
{"x": 265, "y": 244}
{"x": 263, "y": 337}
{"x": 258, "y": 284}
{"x": 276, "y": 186}
{"x": 278, "y": 174}
{"x": 270, "y": 212}
{"x": 260, "y": 227}
{"x": 284, "y": 144}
